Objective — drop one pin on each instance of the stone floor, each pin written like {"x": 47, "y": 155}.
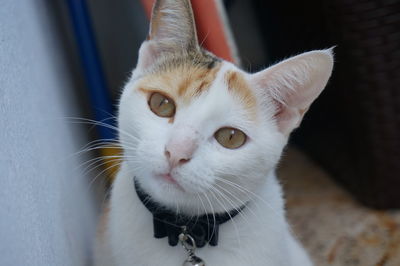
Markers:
{"x": 335, "y": 229}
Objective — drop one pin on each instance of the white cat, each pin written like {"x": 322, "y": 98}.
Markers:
{"x": 201, "y": 136}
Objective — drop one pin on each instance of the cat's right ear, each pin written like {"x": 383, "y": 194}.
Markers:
{"x": 172, "y": 30}
{"x": 293, "y": 85}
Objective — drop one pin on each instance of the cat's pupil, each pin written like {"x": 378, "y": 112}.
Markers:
{"x": 164, "y": 101}
{"x": 231, "y": 136}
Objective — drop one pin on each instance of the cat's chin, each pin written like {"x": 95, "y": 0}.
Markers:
{"x": 163, "y": 187}
{"x": 168, "y": 179}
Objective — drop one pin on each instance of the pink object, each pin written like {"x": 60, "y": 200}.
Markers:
{"x": 181, "y": 146}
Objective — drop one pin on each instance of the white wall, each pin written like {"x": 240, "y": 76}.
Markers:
{"x": 46, "y": 208}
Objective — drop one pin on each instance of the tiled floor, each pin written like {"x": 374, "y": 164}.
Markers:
{"x": 335, "y": 229}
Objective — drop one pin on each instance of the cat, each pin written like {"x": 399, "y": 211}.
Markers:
{"x": 201, "y": 136}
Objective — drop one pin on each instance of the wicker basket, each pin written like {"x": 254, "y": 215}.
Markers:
{"x": 353, "y": 129}
{"x": 359, "y": 138}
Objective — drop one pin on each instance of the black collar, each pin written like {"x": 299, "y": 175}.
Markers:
{"x": 203, "y": 229}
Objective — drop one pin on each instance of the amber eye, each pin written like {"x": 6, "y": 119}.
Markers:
{"x": 230, "y": 138}
{"x": 161, "y": 105}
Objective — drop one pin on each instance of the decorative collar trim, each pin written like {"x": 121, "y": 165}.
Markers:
{"x": 167, "y": 223}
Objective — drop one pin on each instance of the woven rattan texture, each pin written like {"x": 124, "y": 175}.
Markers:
{"x": 366, "y": 99}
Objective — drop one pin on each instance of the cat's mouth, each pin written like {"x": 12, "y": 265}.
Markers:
{"x": 168, "y": 178}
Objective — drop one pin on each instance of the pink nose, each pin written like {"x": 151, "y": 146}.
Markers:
{"x": 180, "y": 148}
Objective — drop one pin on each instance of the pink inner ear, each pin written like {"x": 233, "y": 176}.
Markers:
{"x": 285, "y": 117}
{"x": 292, "y": 106}
{"x": 279, "y": 108}
{"x": 147, "y": 55}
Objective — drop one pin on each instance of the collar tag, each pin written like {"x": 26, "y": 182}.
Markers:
{"x": 189, "y": 244}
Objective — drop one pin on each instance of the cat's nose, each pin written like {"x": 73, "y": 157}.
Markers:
{"x": 179, "y": 153}
{"x": 175, "y": 160}
{"x": 179, "y": 150}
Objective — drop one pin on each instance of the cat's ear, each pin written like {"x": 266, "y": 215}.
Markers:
{"x": 293, "y": 85}
{"x": 172, "y": 30}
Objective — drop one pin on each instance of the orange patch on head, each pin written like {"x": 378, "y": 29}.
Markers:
{"x": 239, "y": 86}
{"x": 181, "y": 83}
{"x": 196, "y": 80}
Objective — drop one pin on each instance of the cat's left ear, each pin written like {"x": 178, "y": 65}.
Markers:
{"x": 293, "y": 85}
{"x": 172, "y": 30}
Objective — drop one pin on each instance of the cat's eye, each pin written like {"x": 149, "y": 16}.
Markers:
{"x": 230, "y": 138}
{"x": 162, "y": 105}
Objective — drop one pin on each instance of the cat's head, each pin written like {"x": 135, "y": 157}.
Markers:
{"x": 199, "y": 133}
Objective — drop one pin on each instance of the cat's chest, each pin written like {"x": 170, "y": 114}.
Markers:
{"x": 252, "y": 238}
{"x": 235, "y": 248}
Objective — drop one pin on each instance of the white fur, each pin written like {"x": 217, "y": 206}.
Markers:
{"x": 258, "y": 236}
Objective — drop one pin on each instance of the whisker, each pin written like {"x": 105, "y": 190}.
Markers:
{"x": 112, "y": 162}
{"x": 243, "y": 189}
{"x": 242, "y": 203}
{"x": 230, "y": 218}
{"x": 275, "y": 213}
{"x": 205, "y": 209}
{"x": 101, "y": 173}
{"x": 99, "y": 123}
{"x": 213, "y": 214}
{"x": 235, "y": 208}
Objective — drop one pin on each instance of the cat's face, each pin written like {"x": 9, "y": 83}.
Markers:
{"x": 211, "y": 135}
{"x": 199, "y": 134}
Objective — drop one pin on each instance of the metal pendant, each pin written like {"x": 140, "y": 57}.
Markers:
{"x": 189, "y": 244}
{"x": 194, "y": 261}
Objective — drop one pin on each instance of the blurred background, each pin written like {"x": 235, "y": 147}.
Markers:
{"x": 63, "y": 62}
